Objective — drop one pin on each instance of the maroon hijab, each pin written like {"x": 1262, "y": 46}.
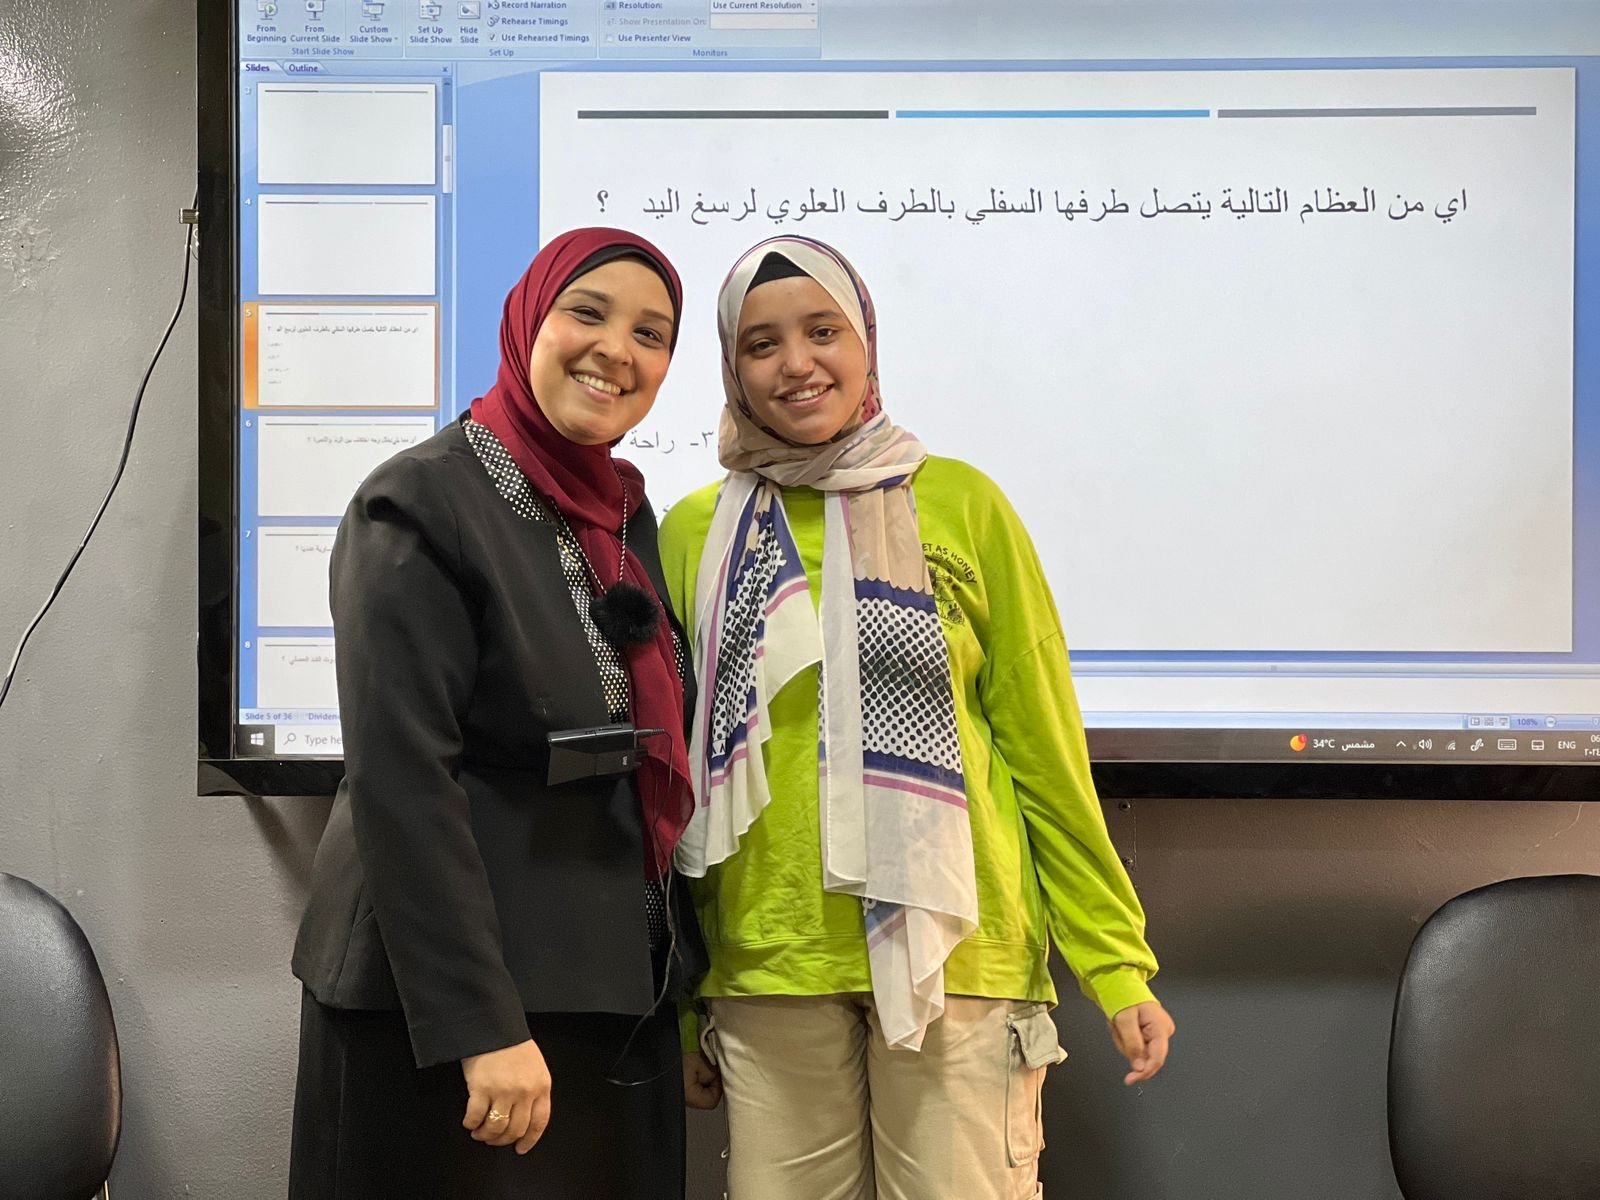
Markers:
{"x": 591, "y": 489}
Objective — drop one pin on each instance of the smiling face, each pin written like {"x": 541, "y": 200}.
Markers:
{"x": 602, "y": 352}
{"x": 800, "y": 364}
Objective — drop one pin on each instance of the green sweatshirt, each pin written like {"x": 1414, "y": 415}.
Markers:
{"x": 1044, "y": 859}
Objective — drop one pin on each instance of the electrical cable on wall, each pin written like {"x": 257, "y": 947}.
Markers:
{"x": 191, "y": 219}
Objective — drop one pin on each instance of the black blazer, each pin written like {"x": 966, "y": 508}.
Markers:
{"x": 451, "y": 880}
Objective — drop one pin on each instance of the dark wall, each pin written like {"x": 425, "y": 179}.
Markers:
{"x": 1282, "y": 928}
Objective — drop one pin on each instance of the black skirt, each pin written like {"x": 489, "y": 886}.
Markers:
{"x": 369, "y": 1124}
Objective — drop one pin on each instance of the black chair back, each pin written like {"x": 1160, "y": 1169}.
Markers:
{"x": 1494, "y": 1060}
{"x": 60, "y": 1073}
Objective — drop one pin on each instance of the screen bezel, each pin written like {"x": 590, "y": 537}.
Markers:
{"x": 221, "y": 771}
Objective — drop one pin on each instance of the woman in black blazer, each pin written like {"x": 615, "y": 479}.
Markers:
{"x": 490, "y": 960}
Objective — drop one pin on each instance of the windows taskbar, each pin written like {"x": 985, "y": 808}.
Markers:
{"x": 1334, "y": 765}
{"x": 1399, "y": 747}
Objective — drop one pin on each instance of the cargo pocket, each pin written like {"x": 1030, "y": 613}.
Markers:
{"x": 1033, "y": 1046}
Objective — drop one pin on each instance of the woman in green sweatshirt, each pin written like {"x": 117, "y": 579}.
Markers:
{"x": 894, "y": 809}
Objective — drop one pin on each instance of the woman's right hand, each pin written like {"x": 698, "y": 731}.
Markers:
{"x": 702, "y": 1082}
{"x": 513, "y": 1084}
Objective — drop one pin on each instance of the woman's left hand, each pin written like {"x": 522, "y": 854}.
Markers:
{"x": 1142, "y": 1032}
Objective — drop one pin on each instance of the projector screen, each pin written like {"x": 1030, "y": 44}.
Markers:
{"x": 1283, "y": 337}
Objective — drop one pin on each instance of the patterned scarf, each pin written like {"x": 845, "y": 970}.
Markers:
{"x": 895, "y": 830}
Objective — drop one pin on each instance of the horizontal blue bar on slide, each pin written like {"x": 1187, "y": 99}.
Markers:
{"x": 1014, "y": 114}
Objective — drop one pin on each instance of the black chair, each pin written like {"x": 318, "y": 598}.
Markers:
{"x": 1494, "y": 1062}
{"x": 60, "y": 1073}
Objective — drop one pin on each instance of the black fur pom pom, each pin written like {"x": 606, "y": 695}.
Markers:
{"x": 626, "y": 615}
